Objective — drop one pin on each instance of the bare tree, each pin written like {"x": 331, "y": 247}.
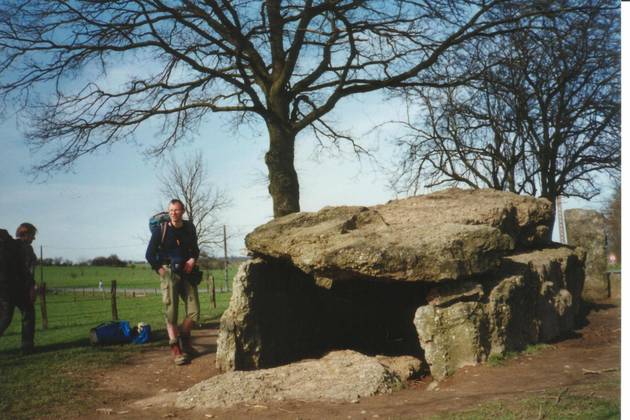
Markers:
{"x": 188, "y": 181}
{"x": 543, "y": 118}
{"x": 288, "y": 62}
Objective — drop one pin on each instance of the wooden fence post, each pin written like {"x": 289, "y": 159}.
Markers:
{"x": 42, "y": 305}
{"x": 211, "y": 287}
{"x": 114, "y": 307}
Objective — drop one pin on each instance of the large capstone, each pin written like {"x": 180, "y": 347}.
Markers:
{"x": 587, "y": 229}
{"x": 451, "y": 234}
{"x": 451, "y": 278}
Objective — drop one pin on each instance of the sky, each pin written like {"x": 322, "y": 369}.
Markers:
{"x": 103, "y": 205}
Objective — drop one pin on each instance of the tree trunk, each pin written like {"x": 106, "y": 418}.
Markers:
{"x": 283, "y": 181}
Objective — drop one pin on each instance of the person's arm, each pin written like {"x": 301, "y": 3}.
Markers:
{"x": 32, "y": 260}
{"x": 194, "y": 249}
{"x": 195, "y": 245}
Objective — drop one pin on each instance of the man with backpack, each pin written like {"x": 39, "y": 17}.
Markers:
{"x": 173, "y": 252}
{"x": 17, "y": 281}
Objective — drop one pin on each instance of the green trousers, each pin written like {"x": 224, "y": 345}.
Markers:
{"x": 174, "y": 287}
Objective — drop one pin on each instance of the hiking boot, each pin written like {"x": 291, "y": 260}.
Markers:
{"x": 178, "y": 356}
{"x": 185, "y": 338}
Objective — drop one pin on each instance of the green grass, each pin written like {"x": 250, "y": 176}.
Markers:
{"x": 137, "y": 276}
{"x": 70, "y": 317}
{"x": 580, "y": 406}
{"x": 55, "y": 376}
{"x": 39, "y": 384}
{"x": 500, "y": 359}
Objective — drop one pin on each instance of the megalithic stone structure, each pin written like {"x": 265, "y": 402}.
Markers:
{"x": 450, "y": 277}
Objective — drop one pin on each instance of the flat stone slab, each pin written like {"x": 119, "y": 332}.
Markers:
{"x": 450, "y": 234}
{"x": 341, "y": 376}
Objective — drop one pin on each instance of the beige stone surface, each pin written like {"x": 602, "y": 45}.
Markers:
{"x": 587, "y": 229}
{"x": 446, "y": 235}
{"x": 341, "y": 376}
{"x": 534, "y": 297}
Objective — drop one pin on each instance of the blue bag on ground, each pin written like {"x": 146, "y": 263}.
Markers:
{"x": 141, "y": 334}
{"x": 113, "y": 332}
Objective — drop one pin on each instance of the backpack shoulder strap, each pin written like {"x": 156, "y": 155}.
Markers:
{"x": 163, "y": 227}
{"x": 190, "y": 228}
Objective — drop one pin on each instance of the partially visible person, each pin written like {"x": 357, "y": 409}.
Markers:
{"x": 17, "y": 282}
{"x": 173, "y": 252}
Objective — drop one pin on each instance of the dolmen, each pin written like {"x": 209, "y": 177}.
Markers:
{"x": 452, "y": 278}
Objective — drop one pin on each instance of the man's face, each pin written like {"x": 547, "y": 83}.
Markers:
{"x": 175, "y": 212}
{"x": 27, "y": 237}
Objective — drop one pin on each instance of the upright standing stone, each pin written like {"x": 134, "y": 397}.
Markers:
{"x": 587, "y": 229}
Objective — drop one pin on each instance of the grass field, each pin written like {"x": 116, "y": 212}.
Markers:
{"x": 55, "y": 376}
{"x": 70, "y": 318}
{"x": 136, "y": 276}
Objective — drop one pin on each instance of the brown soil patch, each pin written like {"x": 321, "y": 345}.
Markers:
{"x": 144, "y": 387}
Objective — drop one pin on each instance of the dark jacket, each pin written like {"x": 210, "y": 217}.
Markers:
{"x": 178, "y": 246}
{"x": 14, "y": 276}
{"x": 28, "y": 260}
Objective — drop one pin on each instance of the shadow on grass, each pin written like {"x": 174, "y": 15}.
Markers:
{"x": 159, "y": 337}
{"x": 47, "y": 348}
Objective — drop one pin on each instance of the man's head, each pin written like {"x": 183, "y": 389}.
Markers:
{"x": 26, "y": 232}
{"x": 176, "y": 210}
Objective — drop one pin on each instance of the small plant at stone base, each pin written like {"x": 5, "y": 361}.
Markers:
{"x": 500, "y": 359}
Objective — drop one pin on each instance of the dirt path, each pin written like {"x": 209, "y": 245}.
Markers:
{"x": 567, "y": 365}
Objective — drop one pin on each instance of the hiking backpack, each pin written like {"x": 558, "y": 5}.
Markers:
{"x": 11, "y": 273}
{"x": 158, "y": 222}
{"x": 5, "y": 258}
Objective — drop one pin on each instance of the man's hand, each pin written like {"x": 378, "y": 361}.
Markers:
{"x": 189, "y": 265}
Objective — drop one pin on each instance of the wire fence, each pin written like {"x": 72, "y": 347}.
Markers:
{"x": 124, "y": 292}
{"x": 113, "y": 294}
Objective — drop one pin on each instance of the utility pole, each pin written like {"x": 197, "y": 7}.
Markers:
{"x": 41, "y": 263}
